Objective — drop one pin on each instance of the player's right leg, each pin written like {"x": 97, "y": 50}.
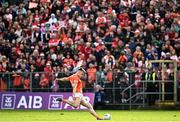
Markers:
{"x": 91, "y": 109}
{"x": 75, "y": 102}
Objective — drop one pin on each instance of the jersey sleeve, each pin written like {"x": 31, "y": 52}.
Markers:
{"x": 73, "y": 79}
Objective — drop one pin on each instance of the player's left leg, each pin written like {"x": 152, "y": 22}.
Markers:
{"x": 91, "y": 109}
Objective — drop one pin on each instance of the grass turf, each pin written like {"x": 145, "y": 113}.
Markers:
{"x": 84, "y": 116}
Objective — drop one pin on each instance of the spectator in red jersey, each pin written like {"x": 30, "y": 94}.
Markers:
{"x": 138, "y": 52}
{"x": 122, "y": 58}
{"x": 68, "y": 60}
{"x": 48, "y": 71}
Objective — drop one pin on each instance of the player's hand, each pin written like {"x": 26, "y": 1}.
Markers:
{"x": 59, "y": 79}
{"x": 56, "y": 79}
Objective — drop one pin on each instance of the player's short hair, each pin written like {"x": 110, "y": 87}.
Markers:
{"x": 82, "y": 69}
{"x": 84, "y": 78}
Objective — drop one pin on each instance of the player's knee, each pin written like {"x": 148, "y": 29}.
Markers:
{"x": 76, "y": 105}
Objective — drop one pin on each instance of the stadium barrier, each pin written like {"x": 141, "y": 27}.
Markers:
{"x": 39, "y": 100}
{"x": 122, "y": 90}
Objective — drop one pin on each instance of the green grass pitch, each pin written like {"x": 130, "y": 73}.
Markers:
{"x": 84, "y": 116}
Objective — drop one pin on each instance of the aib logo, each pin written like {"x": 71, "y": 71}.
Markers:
{"x": 53, "y": 103}
{"x": 8, "y": 101}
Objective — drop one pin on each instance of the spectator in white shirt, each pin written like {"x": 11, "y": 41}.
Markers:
{"x": 53, "y": 19}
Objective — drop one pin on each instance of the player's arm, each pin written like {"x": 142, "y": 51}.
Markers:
{"x": 74, "y": 88}
{"x": 63, "y": 79}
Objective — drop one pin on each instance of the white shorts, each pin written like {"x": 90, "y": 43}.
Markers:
{"x": 80, "y": 95}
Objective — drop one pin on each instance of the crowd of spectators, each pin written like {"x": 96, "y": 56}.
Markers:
{"x": 105, "y": 36}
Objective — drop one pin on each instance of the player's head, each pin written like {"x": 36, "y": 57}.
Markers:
{"x": 81, "y": 72}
